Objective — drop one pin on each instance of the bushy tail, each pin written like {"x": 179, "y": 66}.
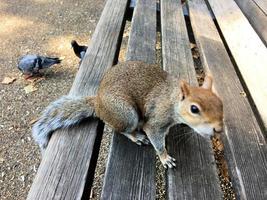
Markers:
{"x": 62, "y": 113}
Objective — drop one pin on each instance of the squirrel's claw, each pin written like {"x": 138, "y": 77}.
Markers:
{"x": 168, "y": 162}
{"x": 141, "y": 139}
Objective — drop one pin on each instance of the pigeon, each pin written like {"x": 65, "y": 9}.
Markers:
{"x": 31, "y": 64}
{"x": 79, "y": 50}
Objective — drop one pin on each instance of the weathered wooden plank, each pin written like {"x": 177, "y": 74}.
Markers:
{"x": 64, "y": 170}
{"x": 255, "y": 16}
{"x": 130, "y": 172}
{"x": 176, "y": 53}
{"x": 262, "y": 5}
{"x": 244, "y": 144}
{"x": 247, "y": 49}
{"x": 195, "y": 176}
{"x": 143, "y": 50}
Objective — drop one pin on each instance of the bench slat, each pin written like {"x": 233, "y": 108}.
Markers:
{"x": 195, "y": 176}
{"x": 244, "y": 143}
{"x": 141, "y": 45}
{"x": 130, "y": 172}
{"x": 262, "y": 5}
{"x": 255, "y": 16}
{"x": 247, "y": 49}
{"x": 68, "y": 164}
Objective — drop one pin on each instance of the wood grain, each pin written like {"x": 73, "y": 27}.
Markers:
{"x": 68, "y": 164}
{"x": 195, "y": 176}
{"x": 256, "y": 16}
{"x": 244, "y": 144}
{"x": 141, "y": 45}
{"x": 130, "y": 172}
{"x": 262, "y": 5}
{"x": 247, "y": 49}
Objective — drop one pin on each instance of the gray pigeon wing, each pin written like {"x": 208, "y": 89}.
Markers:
{"x": 48, "y": 61}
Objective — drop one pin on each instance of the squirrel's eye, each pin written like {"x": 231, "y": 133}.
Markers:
{"x": 194, "y": 109}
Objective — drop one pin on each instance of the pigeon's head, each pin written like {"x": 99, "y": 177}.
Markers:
{"x": 20, "y": 66}
{"x": 73, "y": 43}
{"x": 25, "y": 71}
{"x": 26, "y": 64}
{"x": 20, "y": 69}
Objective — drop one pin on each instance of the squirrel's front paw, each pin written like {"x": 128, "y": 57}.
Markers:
{"x": 140, "y": 139}
{"x": 168, "y": 161}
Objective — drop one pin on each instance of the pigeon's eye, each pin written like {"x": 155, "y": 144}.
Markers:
{"x": 194, "y": 109}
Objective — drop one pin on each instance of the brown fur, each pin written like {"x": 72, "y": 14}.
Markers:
{"x": 133, "y": 97}
{"x": 134, "y": 91}
{"x": 131, "y": 83}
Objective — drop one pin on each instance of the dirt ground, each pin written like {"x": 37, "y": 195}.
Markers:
{"x": 43, "y": 27}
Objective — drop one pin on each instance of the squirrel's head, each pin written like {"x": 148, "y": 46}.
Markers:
{"x": 200, "y": 108}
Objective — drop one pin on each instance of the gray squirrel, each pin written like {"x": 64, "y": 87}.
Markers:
{"x": 135, "y": 96}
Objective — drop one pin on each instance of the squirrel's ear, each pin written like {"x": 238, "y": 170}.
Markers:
{"x": 208, "y": 82}
{"x": 184, "y": 89}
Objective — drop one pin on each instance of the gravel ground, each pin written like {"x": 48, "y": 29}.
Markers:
{"x": 45, "y": 27}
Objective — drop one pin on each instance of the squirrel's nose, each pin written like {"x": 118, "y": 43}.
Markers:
{"x": 218, "y": 129}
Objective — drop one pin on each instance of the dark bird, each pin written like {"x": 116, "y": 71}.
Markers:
{"x": 79, "y": 50}
{"x": 31, "y": 64}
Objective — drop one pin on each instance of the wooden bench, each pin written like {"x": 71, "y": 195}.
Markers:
{"x": 230, "y": 49}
